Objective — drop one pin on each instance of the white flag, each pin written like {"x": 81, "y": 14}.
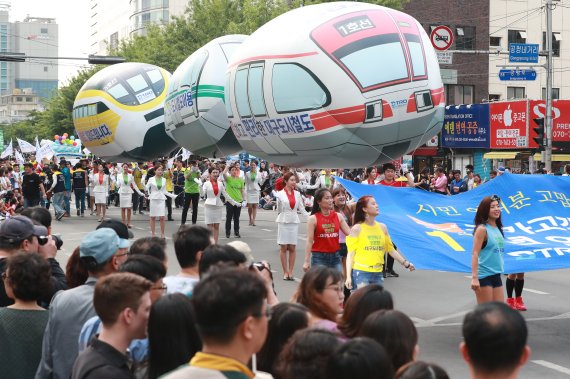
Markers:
{"x": 9, "y": 151}
{"x": 44, "y": 152}
{"x": 86, "y": 151}
{"x": 38, "y": 146}
{"x": 19, "y": 158}
{"x": 170, "y": 163}
{"x": 185, "y": 154}
{"x": 25, "y": 146}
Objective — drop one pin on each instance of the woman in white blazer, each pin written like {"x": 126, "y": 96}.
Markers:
{"x": 125, "y": 184}
{"x": 289, "y": 203}
{"x": 100, "y": 182}
{"x": 253, "y": 180}
{"x": 213, "y": 189}
{"x": 156, "y": 188}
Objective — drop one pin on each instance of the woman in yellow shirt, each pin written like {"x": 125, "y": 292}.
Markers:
{"x": 367, "y": 243}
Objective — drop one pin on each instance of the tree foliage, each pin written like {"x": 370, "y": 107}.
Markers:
{"x": 167, "y": 47}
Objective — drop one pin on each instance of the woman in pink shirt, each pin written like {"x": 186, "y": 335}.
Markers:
{"x": 439, "y": 183}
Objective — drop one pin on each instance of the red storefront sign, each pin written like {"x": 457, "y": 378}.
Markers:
{"x": 560, "y": 119}
{"x": 508, "y": 123}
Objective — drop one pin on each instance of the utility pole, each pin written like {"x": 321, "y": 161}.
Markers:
{"x": 548, "y": 66}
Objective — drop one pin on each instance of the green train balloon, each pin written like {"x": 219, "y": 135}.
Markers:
{"x": 195, "y": 114}
{"x": 119, "y": 113}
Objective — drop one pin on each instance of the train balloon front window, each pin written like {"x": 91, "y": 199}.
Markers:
{"x": 353, "y": 25}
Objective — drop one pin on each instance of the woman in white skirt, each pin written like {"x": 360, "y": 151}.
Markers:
{"x": 253, "y": 180}
{"x": 125, "y": 185}
{"x": 100, "y": 182}
{"x": 289, "y": 203}
{"x": 214, "y": 207}
{"x": 156, "y": 188}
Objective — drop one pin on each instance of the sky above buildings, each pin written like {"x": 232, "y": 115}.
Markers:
{"x": 72, "y": 16}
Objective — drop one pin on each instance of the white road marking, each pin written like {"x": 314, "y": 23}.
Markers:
{"x": 553, "y": 366}
{"x": 417, "y": 320}
{"x": 525, "y": 289}
{"x": 535, "y": 291}
{"x": 266, "y": 230}
{"x": 441, "y": 318}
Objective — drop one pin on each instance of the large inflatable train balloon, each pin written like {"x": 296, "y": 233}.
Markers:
{"x": 195, "y": 114}
{"x": 119, "y": 113}
{"x": 343, "y": 84}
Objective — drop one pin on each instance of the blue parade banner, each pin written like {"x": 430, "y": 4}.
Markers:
{"x": 466, "y": 126}
{"x": 436, "y": 232}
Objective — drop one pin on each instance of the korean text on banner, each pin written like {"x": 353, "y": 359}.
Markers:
{"x": 466, "y": 126}
{"x": 436, "y": 232}
{"x": 508, "y": 125}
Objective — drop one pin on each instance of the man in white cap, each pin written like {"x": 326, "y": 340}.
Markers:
{"x": 101, "y": 252}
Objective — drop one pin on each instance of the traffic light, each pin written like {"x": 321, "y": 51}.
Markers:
{"x": 539, "y": 133}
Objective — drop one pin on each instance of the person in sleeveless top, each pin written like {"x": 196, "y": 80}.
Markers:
{"x": 323, "y": 227}
{"x": 367, "y": 244}
{"x": 487, "y": 261}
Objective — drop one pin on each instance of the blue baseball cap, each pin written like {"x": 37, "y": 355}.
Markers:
{"x": 102, "y": 244}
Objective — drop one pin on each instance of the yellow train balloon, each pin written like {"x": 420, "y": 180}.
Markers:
{"x": 342, "y": 84}
{"x": 119, "y": 113}
{"x": 195, "y": 115}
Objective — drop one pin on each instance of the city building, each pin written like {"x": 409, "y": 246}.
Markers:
{"x": 25, "y": 86}
{"x": 18, "y": 105}
{"x": 113, "y": 21}
{"x": 482, "y": 32}
{"x": 36, "y": 37}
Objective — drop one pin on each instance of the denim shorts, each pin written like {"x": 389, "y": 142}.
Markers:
{"x": 364, "y": 278}
{"x": 331, "y": 260}
{"x": 343, "y": 252}
{"x": 491, "y": 281}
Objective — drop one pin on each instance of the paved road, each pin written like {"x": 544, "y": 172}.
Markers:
{"x": 436, "y": 301}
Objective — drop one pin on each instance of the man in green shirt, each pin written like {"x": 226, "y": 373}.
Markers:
{"x": 191, "y": 192}
{"x": 235, "y": 188}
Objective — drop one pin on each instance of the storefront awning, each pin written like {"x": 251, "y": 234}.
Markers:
{"x": 501, "y": 155}
{"x": 555, "y": 157}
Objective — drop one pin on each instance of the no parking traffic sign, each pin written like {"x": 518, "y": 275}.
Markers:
{"x": 441, "y": 38}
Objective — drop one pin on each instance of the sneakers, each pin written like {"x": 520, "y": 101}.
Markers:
{"x": 59, "y": 216}
{"x": 392, "y": 274}
{"x": 519, "y": 304}
{"x": 237, "y": 235}
{"x": 227, "y": 235}
{"x": 78, "y": 212}
{"x": 511, "y": 302}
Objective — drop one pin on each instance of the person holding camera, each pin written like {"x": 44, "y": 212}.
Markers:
{"x": 191, "y": 192}
{"x": 235, "y": 188}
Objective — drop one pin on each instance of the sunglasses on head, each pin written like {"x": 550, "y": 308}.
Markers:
{"x": 495, "y": 198}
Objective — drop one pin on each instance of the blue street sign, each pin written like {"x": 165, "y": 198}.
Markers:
{"x": 523, "y": 74}
{"x": 523, "y": 52}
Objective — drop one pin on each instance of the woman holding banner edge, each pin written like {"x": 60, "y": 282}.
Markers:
{"x": 487, "y": 261}
{"x": 367, "y": 244}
